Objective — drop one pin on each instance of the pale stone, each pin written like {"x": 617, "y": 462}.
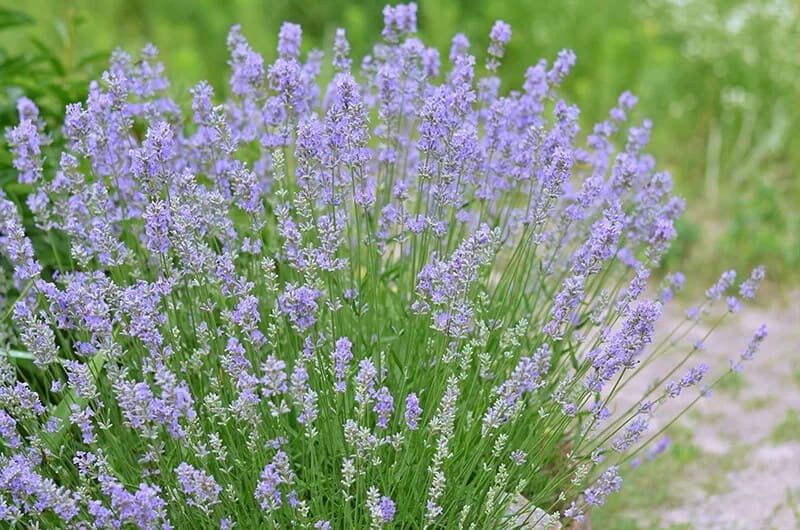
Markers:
{"x": 526, "y": 517}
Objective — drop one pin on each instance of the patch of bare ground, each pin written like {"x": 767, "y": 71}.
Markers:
{"x": 748, "y": 473}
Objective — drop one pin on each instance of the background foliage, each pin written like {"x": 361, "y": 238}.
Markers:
{"x": 719, "y": 78}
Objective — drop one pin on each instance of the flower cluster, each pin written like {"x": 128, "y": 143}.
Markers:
{"x": 403, "y": 298}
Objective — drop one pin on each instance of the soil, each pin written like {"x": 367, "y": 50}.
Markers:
{"x": 749, "y": 455}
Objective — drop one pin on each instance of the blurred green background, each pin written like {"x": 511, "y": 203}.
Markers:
{"x": 719, "y": 78}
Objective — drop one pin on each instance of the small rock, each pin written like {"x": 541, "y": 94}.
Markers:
{"x": 523, "y": 518}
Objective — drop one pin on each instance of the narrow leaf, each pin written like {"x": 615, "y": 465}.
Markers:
{"x": 10, "y": 18}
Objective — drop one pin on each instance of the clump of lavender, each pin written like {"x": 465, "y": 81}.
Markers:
{"x": 402, "y": 298}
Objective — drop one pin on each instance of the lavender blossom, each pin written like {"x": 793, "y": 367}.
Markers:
{"x": 755, "y": 343}
{"x": 299, "y": 304}
{"x": 413, "y": 411}
{"x": 381, "y": 508}
{"x": 399, "y": 20}
{"x": 342, "y": 355}
{"x": 275, "y": 474}
{"x": 748, "y": 288}
{"x": 384, "y": 407}
{"x": 341, "y": 51}
{"x": 26, "y": 147}
{"x": 499, "y": 37}
{"x": 200, "y": 488}
{"x": 15, "y": 244}
{"x": 716, "y": 291}
{"x": 693, "y": 377}
{"x": 289, "y": 39}
{"x": 608, "y": 483}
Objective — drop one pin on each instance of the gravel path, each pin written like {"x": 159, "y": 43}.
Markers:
{"x": 748, "y": 433}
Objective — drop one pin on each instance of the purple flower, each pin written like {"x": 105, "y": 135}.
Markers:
{"x": 80, "y": 378}
{"x": 526, "y": 377}
{"x": 459, "y": 47}
{"x": 200, "y": 488}
{"x": 671, "y": 284}
{"x": 27, "y": 109}
{"x": 734, "y": 305}
{"x": 26, "y": 147}
{"x": 631, "y": 434}
{"x": 248, "y": 66}
{"x": 627, "y": 100}
{"x": 347, "y": 136}
{"x": 384, "y": 407}
{"x": 274, "y": 379}
{"x": 399, "y": 20}
{"x": 289, "y": 39}
{"x": 15, "y": 245}
{"x": 499, "y": 38}
{"x": 341, "y": 51}
{"x": 624, "y": 346}
{"x": 692, "y": 378}
{"x": 608, "y": 483}
{"x": 660, "y": 447}
{"x": 413, "y": 411}
{"x": 144, "y": 508}
{"x": 601, "y": 243}
{"x": 304, "y": 397}
{"x": 387, "y": 509}
{"x": 299, "y": 304}
{"x": 381, "y": 508}
{"x": 565, "y": 306}
{"x": 275, "y": 474}
{"x": 342, "y": 355}
{"x": 365, "y": 382}
{"x": 444, "y": 285}
{"x": 8, "y": 430}
{"x": 755, "y": 343}
{"x": 33, "y": 494}
{"x": 501, "y": 32}
{"x": 716, "y": 291}
{"x": 748, "y": 288}
{"x": 519, "y": 457}
{"x": 561, "y": 67}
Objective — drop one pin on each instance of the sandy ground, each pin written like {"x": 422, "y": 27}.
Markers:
{"x": 757, "y": 479}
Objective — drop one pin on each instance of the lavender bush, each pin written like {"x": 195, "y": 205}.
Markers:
{"x": 404, "y": 298}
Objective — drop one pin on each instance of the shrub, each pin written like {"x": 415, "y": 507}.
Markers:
{"x": 394, "y": 300}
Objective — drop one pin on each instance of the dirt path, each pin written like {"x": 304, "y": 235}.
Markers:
{"x": 748, "y": 433}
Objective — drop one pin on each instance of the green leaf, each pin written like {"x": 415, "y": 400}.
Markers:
{"x": 17, "y": 354}
{"x": 10, "y": 18}
{"x": 49, "y": 55}
{"x": 16, "y": 188}
{"x": 92, "y": 58}
{"x": 15, "y": 64}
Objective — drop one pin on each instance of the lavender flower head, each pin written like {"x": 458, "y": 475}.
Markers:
{"x": 499, "y": 38}
{"x": 399, "y": 20}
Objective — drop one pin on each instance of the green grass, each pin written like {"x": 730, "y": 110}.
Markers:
{"x": 645, "y": 489}
{"x": 732, "y": 384}
{"x": 793, "y": 501}
{"x": 758, "y": 403}
{"x": 717, "y": 467}
{"x": 788, "y": 430}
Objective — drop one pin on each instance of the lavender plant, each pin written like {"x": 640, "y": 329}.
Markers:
{"x": 404, "y": 298}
